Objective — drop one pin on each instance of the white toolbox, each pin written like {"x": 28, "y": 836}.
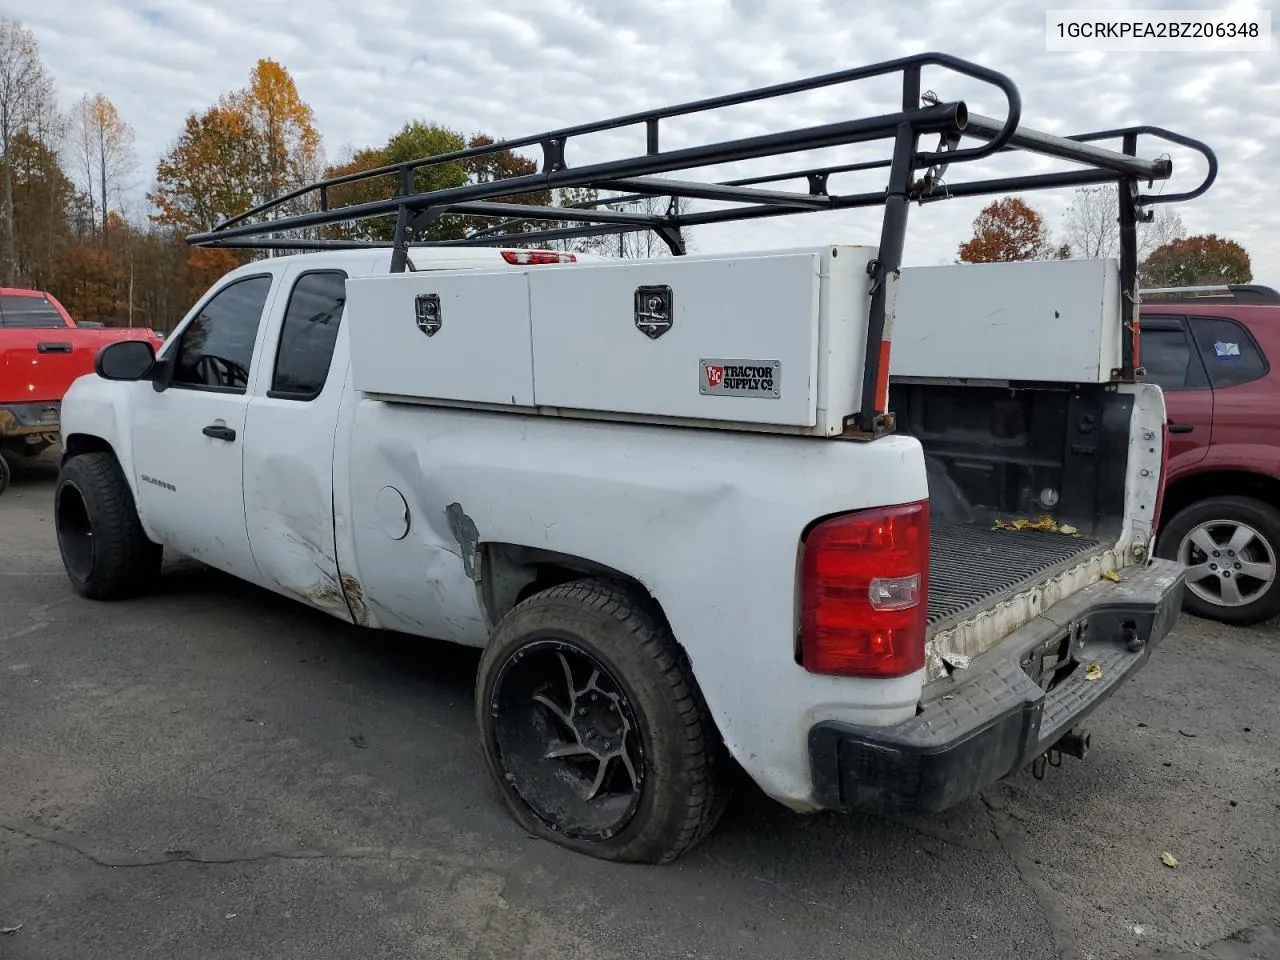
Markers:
{"x": 765, "y": 340}
{"x": 1037, "y": 320}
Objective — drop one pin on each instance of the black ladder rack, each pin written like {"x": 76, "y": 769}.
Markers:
{"x": 914, "y": 175}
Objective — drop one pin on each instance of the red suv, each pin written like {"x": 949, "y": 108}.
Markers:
{"x": 1210, "y": 349}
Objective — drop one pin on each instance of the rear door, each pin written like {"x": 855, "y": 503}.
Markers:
{"x": 1243, "y": 402}
{"x": 1172, "y": 361}
{"x": 293, "y": 413}
{"x": 188, "y": 440}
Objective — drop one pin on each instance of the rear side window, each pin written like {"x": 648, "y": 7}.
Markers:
{"x": 1166, "y": 356}
{"x": 29, "y": 312}
{"x": 1231, "y": 355}
{"x": 308, "y": 335}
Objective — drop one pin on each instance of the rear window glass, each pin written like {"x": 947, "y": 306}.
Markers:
{"x": 28, "y": 312}
{"x": 1230, "y": 353}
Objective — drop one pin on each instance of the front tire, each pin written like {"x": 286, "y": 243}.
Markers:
{"x": 105, "y": 551}
{"x": 1231, "y": 548}
{"x": 593, "y": 728}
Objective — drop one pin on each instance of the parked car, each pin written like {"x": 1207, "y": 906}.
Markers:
{"x": 1211, "y": 350}
{"x": 42, "y": 351}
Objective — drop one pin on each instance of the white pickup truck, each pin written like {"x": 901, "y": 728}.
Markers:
{"x": 653, "y": 493}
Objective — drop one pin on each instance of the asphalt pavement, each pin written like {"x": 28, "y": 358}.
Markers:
{"x": 217, "y": 772}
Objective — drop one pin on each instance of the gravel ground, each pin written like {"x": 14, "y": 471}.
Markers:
{"x": 214, "y": 771}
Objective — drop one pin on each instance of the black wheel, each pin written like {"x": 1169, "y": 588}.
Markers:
{"x": 105, "y": 551}
{"x": 593, "y": 728}
{"x": 5, "y": 473}
{"x": 1230, "y": 547}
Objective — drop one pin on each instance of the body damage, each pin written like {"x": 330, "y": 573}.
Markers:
{"x": 722, "y": 515}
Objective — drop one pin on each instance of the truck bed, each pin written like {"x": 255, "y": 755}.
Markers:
{"x": 972, "y": 566}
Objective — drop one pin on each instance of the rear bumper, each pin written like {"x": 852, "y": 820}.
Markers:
{"x": 22, "y": 419}
{"x": 992, "y": 719}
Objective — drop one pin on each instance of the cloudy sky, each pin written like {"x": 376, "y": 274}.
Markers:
{"x": 511, "y": 67}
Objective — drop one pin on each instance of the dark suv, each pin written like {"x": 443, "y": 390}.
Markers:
{"x": 1210, "y": 349}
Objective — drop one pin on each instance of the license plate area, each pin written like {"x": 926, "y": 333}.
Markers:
{"x": 1051, "y": 662}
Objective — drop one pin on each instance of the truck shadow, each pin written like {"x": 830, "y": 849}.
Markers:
{"x": 407, "y": 704}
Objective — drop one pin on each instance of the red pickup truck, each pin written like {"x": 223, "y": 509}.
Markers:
{"x": 1210, "y": 349}
{"x": 42, "y": 351}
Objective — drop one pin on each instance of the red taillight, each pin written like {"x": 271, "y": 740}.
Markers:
{"x": 532, "y": 257}
{"x": 865, "y": 593}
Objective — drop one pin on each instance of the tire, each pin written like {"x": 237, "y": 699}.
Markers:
{"x": 536, "y": 682}
{"x": 1238, "y": 585}
{"x": 5, "y": 473}
{"x": 105, "y": 551}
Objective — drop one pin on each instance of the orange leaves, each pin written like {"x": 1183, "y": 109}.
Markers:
{"x": 208, "y": 174}
{"x": 205, "y": 265}
{"x": 1007, "y": 229}
{"x": 253, "y": 144}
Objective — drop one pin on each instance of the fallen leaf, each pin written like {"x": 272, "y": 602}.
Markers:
{"x": 1092, "y": 671}
{"x": 1168, "y": 859}
{"x": 5, "y": 931}
{"x": 1111, "y": 575}
{"x": 1068, "y": 530}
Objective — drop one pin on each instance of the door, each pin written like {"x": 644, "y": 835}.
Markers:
{"x": 1172, "y": 361}
{"x": 188, "y": 439}
{"x": 293, "y": 413}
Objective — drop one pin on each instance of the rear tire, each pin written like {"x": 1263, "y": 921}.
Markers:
{"x": 105, "y": 551}
{"x": 1231, "y": 546}
{"x": 590, "y": 670}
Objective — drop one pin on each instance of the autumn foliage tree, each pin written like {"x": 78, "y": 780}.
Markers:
{"x": 208, "y": 174}
{"x": 1205, "y": 259}
{"x": 103, "y": 145}
{"x": 1008, "y": 229}
{"x": 251, "y": 146}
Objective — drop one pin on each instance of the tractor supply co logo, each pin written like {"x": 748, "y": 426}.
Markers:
{"x": 653, "y": 311}
{"x": 427, "y": 309}
{"x": 741, "y": 378}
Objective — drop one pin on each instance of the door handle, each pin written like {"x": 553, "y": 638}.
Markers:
{"x": 1181, "y": 427}
{"x": 53, "y": 348}
{"x": 219, "y": 432}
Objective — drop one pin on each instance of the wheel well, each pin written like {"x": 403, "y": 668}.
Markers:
{"x": 78, "y": 443}
{"x": 514, "y": 573}
{"x": 1226, "y": 483}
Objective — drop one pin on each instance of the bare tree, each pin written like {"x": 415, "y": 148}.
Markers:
{"x": 1092, "y": 226}
{"x": 104, "y": 152}
{"x": 636, "y": 245}
{"x": 26, "y": 91}
{"x": 643, "y": 244}
{"x": 1090, "y": 223}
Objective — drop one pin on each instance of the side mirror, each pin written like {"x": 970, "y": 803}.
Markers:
{"x": 125, "y": 360}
